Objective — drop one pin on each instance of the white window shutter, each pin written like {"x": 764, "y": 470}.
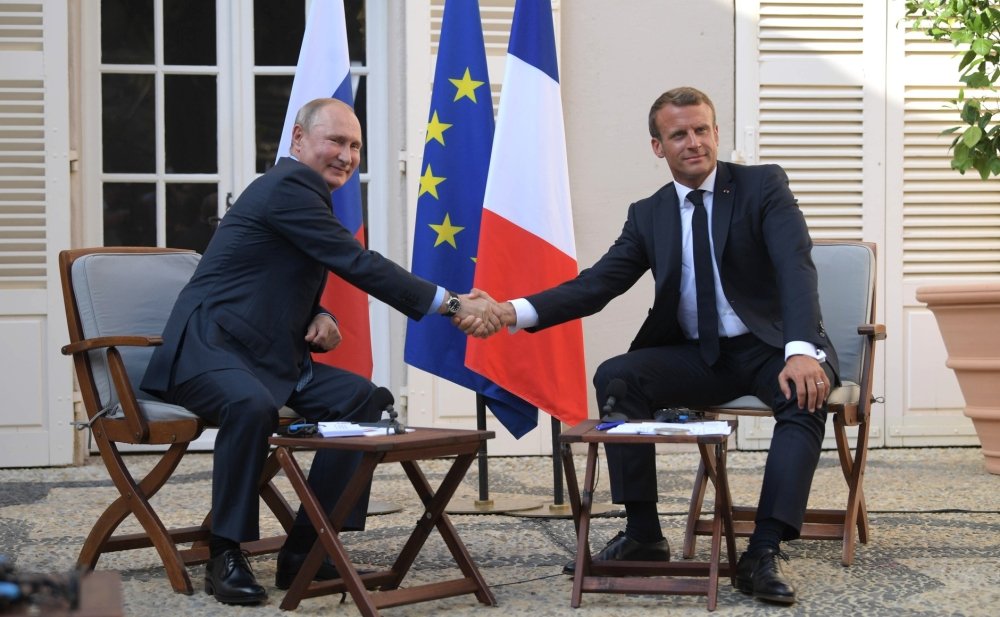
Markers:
{"x": 34, "y": 225}
{"x": 809, "y": 116}
{"x": 951, "y": 222}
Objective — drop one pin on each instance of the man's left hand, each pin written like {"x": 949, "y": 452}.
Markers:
{"x": 323, "y": 333}
{"x": 812, "y": 386}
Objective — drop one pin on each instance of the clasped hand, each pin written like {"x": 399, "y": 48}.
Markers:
{"x": 481, "y": 316}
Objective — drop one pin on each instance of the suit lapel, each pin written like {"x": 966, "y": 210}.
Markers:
{"x": 667, "y": 227}
{"x": 722, "y": 209}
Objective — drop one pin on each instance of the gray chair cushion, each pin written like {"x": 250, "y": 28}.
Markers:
{"x": 128, "y": 294}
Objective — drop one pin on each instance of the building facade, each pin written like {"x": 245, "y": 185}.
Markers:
{"x": 138, "y": 121}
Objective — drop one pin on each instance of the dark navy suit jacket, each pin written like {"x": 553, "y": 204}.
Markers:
{"x": 258, "y": 285}
{"x": 762, "y": 248}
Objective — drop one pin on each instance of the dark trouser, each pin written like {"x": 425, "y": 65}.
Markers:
{"x": 246, "y": 414}
{"x": 677, "y": 376}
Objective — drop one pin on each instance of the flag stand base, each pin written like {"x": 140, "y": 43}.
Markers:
{"x": 376, "y": 508}
{"x": 486, "y": 504}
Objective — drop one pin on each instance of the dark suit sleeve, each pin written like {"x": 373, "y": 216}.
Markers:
{"x": 301, "y": 212}
{"x": 789, "y": 247}
{"x": 613, "y": 274}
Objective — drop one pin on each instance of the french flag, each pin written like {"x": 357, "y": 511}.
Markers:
{"x": 324, "y": 70}
{"x": 526, "y": 239}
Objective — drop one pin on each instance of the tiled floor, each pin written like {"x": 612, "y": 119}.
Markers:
{"x": 935, "y": 546}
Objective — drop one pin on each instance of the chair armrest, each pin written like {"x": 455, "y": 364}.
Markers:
{"x": 137, "y": 424}
{"x": 101, "y": 342}
{"x": 874, "y": 330}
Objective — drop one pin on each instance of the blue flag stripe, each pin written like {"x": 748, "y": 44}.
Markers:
{"x": 532, "y": 37}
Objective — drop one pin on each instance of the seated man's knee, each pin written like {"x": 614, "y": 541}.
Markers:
{"x": 251, "y": 412}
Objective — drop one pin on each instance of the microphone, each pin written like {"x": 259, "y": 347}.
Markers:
{"x": 616, "y": 390}
{"x": 382, "y": 399}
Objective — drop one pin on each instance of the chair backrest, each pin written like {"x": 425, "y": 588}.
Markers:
{"x": 125, "y": 292}
{"x": 846, "y": 273}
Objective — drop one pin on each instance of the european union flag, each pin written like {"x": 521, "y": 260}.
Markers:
{"x": 450, "y": 205}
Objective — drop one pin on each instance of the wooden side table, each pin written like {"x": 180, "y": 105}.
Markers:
{"x": 679, "y": 578}
{"x": 406, "y": 449}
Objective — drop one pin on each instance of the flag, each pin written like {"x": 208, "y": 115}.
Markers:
{"x": 449, "y": 205}
{"x": 324, "y": 70}
{"x": 526, "y": 242}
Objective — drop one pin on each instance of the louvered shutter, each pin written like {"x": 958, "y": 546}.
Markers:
{"x": 34, "y": 225}
{"x": 807, "y": 99}
{"x": 942, "y": 227}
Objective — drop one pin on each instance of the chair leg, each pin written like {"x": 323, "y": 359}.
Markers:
{"x": 855, "y": 511}
{"x": 134, "y": 499}
{"x": 694, "y": 510}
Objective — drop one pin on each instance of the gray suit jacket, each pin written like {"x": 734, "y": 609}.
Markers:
{"x": 258, "y": 285}
{"x": 762, "y": 248}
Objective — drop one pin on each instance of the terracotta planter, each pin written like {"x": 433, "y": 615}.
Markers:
{"x": 968, "y": 316}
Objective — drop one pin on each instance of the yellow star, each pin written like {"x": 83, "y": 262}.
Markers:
{"x": 436, "y": 129}
{"x": 446, "y": 232}
{"x": 429, "y": 182}
{"x": 466, "y": 87}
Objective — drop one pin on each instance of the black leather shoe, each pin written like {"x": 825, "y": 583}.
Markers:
{"x": 760, "y": 574}
{"x": 229, "y": 578}
{"x": 624, "y": 548}
{"x": 290, "y": 563}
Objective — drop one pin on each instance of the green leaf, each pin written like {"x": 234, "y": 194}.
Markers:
{"x": 976, "y": 80}
{"x": 982, "y": 46}
{"x": 970, "y": 112}
{"x": 966, "y": 59}
{"x": 972, "y": 135}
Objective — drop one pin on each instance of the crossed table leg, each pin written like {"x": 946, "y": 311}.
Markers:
{"x": 405, "y": 449}
{"x": 650, "y": 577}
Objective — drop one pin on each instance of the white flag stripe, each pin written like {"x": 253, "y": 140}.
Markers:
{"x": 528, "y": 182}
{"x": 323, "y": 63}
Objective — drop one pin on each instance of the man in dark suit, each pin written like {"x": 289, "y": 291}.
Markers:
{"x": 236, "y": 346}
{"x": 753, "y": 327}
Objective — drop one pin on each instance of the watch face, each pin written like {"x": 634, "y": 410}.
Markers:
{"x": 454, "y": 305}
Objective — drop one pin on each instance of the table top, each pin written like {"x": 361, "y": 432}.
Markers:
{"x": 586, "y": 432}
{"x": 419, "y": 438}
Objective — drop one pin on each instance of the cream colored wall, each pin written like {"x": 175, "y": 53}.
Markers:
{"x": 614, "y": 62}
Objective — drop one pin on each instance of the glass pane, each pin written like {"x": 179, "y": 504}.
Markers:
{"x": 360, "y": 87}
{"x": 129, "y": 214}
{"x": 277, "y": 33}
{"x": 192, "y": 215}
{"x": 271, "y": 99}
{"x": 191, "y": 137}
{"x": 126, "y": 31}
{"x": 129, "y": 138}
{"x": 189, "y": 32}
{"x": 354, "y": 15}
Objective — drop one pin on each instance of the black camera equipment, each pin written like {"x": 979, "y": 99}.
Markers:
{"x": 51, "y": 591}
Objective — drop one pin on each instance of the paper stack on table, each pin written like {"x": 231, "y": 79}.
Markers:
{"x": 716, "y": 427}
{"x": 346, "y": 429}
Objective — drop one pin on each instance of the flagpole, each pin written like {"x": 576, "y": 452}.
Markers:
{"x": 485, "y": 504}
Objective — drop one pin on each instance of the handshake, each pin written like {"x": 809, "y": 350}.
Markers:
{"x": 479, "y": 315}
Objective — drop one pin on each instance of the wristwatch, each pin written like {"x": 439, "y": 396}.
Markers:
{"x": 452, "y": 305}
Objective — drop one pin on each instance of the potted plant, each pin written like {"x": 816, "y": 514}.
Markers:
{"x": 968, "y": 315}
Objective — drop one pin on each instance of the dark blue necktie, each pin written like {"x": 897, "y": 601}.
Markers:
{"x": 708, "y": 316}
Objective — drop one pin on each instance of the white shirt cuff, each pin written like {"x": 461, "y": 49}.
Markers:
{"x": 438, "y": 299}
{"x": 803, "y": 348}
{"x": 527, "y": 316}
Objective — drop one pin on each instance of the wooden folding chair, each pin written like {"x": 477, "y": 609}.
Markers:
{"x": 847, "y": 297}
{"x": 117, "y": 303}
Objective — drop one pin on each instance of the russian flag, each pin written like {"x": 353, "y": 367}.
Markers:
{"x": 324, "y": 70}
{"x": 526, "y": 239}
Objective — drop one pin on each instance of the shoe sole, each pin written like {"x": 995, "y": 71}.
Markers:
{"x": 210, "y": 590}
{"x": 775, "y": 599}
